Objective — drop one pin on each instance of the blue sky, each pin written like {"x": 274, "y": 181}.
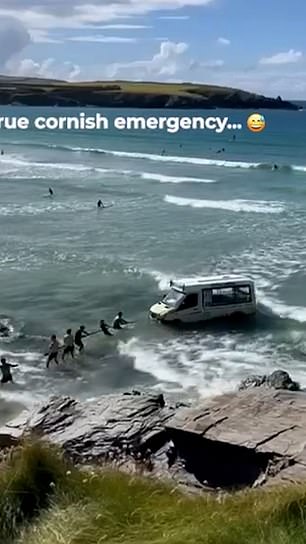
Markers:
{"x": 257, "y": 46}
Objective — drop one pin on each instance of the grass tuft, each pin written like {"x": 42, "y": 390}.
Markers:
{"x": 43, "y": 500}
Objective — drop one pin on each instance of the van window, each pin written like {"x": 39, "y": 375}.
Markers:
{"x": 223, "y": 296}
{"x": 190, "y": 301}
{"x": 228, "y": 295}
{"x": 243, "y": 294}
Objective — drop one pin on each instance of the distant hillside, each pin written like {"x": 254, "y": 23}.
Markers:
{"x": 127, "y": 94}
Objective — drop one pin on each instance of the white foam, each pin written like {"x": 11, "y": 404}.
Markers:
{"x": 299, "y": 168}
{"x": 280, "y": 309}
{"x": 203, "y": 364}
{"x": 169, "y": 158}
{"x": 237, "y": 205}
{"x": 38, "y": 209}
{"x": 174, "y": 179}
{"x": 73, "y": 167}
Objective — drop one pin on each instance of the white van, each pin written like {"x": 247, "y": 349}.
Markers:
{"x": 209, "y": 298}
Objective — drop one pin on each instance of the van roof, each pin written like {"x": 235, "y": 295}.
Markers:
{"x": 211, "y": 280}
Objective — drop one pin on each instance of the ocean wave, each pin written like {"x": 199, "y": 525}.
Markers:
{"x": 49, "y": 166}
{"x": 237, "y": 205}
{"x": 202, "y": 161}
{"x": 37, "y": 209}
{"x": 203, "y": 364}
{"x": 281, "y": 309}
{"x": 174, "y": 179}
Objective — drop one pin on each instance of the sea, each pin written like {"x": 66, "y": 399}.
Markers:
{"x": 178, "y": 208}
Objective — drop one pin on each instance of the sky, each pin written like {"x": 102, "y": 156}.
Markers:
{"x": 256, "y": 46}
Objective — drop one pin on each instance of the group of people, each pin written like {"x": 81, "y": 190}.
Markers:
{"x": 71, "y": 341}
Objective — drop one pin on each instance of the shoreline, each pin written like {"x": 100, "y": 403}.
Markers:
{"x": 248, "y": 438}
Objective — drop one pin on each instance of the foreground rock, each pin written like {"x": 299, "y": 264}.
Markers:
{"x": 277, "y": 380}
{"x": 251, "y": 437}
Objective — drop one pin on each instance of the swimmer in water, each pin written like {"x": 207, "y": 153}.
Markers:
{"x": 2, "y": 152}
{"x": 275, "y": 167}
{"x": 6, "y": 371}
{"x": 51, "y": 193}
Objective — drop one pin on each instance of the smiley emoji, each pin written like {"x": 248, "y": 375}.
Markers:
{"x": 256, "y": 122}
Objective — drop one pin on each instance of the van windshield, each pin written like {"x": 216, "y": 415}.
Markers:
{"x": 173, "y": 298}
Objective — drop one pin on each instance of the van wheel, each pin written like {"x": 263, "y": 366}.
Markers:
{"x": 176, "y": 322}
{"x": 238, "y": 316}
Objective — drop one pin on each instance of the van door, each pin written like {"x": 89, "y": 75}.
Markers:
{"x": 189, "y": 309}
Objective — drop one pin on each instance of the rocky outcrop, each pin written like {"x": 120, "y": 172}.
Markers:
{"x": 36, "y": 92}
{"x": 247, "y": 438}
{"x": 277, "y": 380}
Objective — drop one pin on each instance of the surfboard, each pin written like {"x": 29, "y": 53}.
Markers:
{"x": 106, "y": 206}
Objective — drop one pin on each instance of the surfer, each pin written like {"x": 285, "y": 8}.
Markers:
{"x": 6, "y": 371}
{"x": 68, "y": 344}
{"x": 79, "y": 335}
{"x": 275, "y": 167}
{"x": 105, "y": 328}
{"x": 51, "y": 193}
{"x": 118, "y": 321}
{"x": 100, "y": 204}
{"x": 53, "y": 350}
{"x": 2, "y": 152}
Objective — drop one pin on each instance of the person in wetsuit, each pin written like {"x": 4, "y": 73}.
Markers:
{"x": 118, "y": 321}
{"x": 68, "y": 344}
{"x": 100, "y": 204}
{"x": 79, "y": 335}
{"x": 105, "y": 328}
{"x": 6, "y": 371}
{"x": 51, "y": 193}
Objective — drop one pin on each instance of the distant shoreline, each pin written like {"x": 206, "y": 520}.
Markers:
{"x": 125, "y": 94}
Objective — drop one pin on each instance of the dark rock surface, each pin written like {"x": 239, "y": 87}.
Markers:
{"x": 277, "y": 380}
{"x": 39, "y": 92}
{"x": 242, "y": 439}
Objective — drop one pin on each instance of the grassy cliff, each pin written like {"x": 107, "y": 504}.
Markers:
{"x": 39, "y": 92}
{"x": 44, "y": 500}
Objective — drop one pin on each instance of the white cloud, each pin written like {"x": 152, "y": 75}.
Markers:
{"x": 48, "y": 68}
{"x": 79, "y": 14}
{"x": 175, "y": 17}
{"x": 224, "y": 41}
{"x": 42, "y": 36}
{"x": 288, "y": 57}
{"x": 124, "y": 27}
{"x": 14, "y": 37}
{"x": 102, "y": 39}
{"x": 166, "y": 63}
{"x": 170, "y": 62}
